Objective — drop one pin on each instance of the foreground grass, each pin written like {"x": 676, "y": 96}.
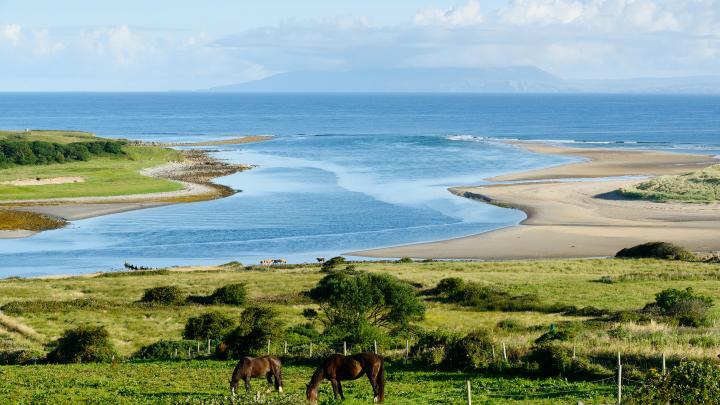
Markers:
{"x": 104, "y": 176}
{"x": 207, "y": 382}
{"x": 702, "y": 186}
{"x": 570, "y": 282}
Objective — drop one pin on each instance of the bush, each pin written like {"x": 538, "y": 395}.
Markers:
{"x": 333, "y": 263}
{"x": 165, "y": 350}
{"x": 231, "y": 294}
{"x": 257, "y": 325}
{"x": 553, "y": 360}
{"x": 510, "y": 324}
{"x": 8, "y": 358}
{"x": 688, "y": 308}
{"x": 84, "y": 344}
{"x": 656, "y": 250}
{"x": 431, "y": 346}
{"x": 165, "y": 295}
{"x": 692, "y": 382}
{"x": 212, "y": 325}
{"x": 405, "y": 260}
{"x": 472, "y": 351}
{"x": 491, "y": 298}
{"x": 451, "y": 288}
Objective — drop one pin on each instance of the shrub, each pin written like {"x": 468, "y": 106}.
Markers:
{"x": 472, "y": 351}
{"x": 14, "y": 357}
{"x": 451, "y": 288}
{"x": 656, "y": 250}
{"x": 555, "y": 335}
{"x": 165, "y": 295}
{"x": 212, "y": 325}
{"x": 231, "y": 294}
{"x": 165, "y": 350}
{"x": 84, "y": 344}
{"x": 587, "y": 311}
{"x": 333, "y": 263}
{"x": 431, "y": 346}
{"x": 257, "y": 325}
{"x": 405, "y": 260}
{"x": 552, "y": 360}
{"x": 310, "y": 313}
{"x": 692, "y": 382}
{"x": 688, "y": 308}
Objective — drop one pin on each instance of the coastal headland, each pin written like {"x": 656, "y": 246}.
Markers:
{"x": 580, "y": 218}
{"x": 39, "y": 197}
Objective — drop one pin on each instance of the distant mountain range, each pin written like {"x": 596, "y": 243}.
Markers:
{"x": 516, "y": 79}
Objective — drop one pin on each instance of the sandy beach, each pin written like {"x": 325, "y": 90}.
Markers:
{"x": 576, "y": 219}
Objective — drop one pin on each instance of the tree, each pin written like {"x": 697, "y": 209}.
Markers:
{"x": 353, "y": 300}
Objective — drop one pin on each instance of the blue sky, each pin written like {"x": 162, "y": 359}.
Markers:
{"x": 180, "y": 45}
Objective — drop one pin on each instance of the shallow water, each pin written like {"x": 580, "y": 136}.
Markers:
{"x": 346, "y": 172}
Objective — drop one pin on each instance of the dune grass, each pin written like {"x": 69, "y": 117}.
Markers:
{"x": 702, "y": 186}
{"x": 104, "y": 176}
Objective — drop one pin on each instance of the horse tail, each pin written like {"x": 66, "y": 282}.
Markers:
{"x": 380, "y": 381}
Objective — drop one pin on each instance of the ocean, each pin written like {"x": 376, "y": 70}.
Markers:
{"x": 345, "y": 171}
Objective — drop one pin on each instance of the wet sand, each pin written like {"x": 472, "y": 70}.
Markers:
{"x": 577, "y": 219}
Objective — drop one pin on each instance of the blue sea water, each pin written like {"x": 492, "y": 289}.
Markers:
{"x": 345, "y": 172}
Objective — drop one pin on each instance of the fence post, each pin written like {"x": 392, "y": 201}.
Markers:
{"x": 189, "y": 353}
{"x": 573, "y": 352}
{"x": 198, "y": 346}
{"x": 504, "y": 351}
{"x": 176, "y": 352}
{"x": 469, "y": 392}
{"x": 663, "y": 363}
{"x": 619, "y": 381}
{"x": 311, "y": 349}
{"x": 208, "y": 346}
{"x": 268, "y": 349}
{"x": 285, "y": 351}
{"x": 493, "y": 352}
{"x": 407, "y": 348}
{"x": 344, "y": 348}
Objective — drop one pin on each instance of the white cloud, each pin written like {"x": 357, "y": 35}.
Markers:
{"x": 12, "y": 33}
{"x": 43, "y": 44}
{"x": 466, "y": 14}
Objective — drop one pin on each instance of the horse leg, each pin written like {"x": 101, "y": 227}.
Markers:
{"x": 278, "y": 379}
{"x": 335, "y": 388}
{"x": 247, "y": 384}
{"x": 372, "y": 376}
{"x": 340, "y": 390}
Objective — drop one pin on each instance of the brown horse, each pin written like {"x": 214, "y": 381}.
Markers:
{"x": 253, "y": 367}
{"x": 338, "y": 368}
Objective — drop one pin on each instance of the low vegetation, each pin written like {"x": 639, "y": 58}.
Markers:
{"x": 656, "y": 250}
{"x": 84, "y": 344}
{"x": 164, "y": 295}
{"x": 30, "y": 221}
{"x": 702, "y": 186}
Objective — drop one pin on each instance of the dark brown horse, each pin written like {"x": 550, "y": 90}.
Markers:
{"x": 338, "y": 368}
{"x": 253, "y": 367}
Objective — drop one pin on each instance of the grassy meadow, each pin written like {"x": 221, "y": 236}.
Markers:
{"x": 52, "y": 136}
{"x": 104, "y": 176}
{"x": 41, "y": 309}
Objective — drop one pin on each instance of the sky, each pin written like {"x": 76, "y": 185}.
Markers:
{"x": 159, "y": 45}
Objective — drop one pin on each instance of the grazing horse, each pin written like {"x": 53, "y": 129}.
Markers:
{"x": 253, "y": 367}
{"x": 279, "y": 261}
{"x": 320, "y": 260}
{"x": 338, "y": 368}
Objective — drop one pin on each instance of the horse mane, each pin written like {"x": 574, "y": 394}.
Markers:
{"x": 236, "y": 372}
{"x": 317, "y": 377}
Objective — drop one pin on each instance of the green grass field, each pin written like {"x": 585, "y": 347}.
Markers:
{"x": 104, "y": 176}
{"x": 47, "y": 136}
{"x": 702, "y": 186}
{"x": 628, "y": 284}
